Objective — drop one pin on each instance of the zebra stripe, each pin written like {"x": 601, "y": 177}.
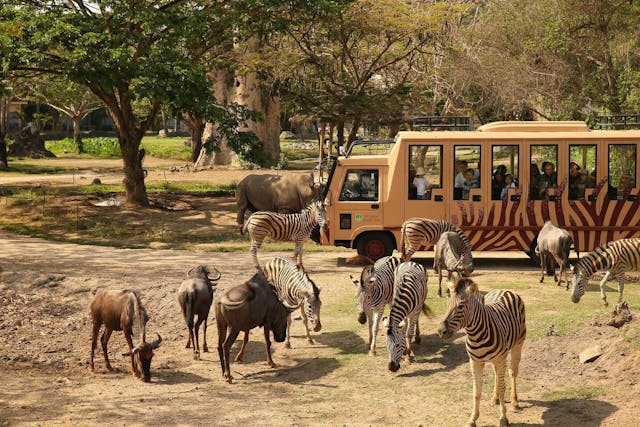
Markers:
{"x": 615, "y": 257}
{"x": 417, "y": 232}
{"x": 495, "y": 326}
{"x": 409, "y": 295}
{"x": 374, "y": 291}
{"x": 284, "y": 227}
{"x": 295, "y": 289}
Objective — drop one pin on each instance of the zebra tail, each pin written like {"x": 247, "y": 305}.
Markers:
{"x": 426, "y": 310}
{"x": 243, "y": 229}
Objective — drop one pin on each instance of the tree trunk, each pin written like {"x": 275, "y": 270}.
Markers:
{"x": 354, "y": 130}
{"x": 165, "y": 127}
{"x": 197, "y": 130}
{"x": 340, "y": 135}
{"x": 255, "y": 95}
{"x": 77, "y": 135}
{"x": 133, "y": 172}
{"x": 224, "y": 89}
{"x": 4, "y": 128}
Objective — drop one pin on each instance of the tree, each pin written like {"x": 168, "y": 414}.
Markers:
{"x": 359, "y": 65}
{"x": 134, "y": 56}
{"x": 71, "y": 99}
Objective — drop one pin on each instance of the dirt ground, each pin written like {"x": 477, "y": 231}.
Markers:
{"x": 45, "y": 290}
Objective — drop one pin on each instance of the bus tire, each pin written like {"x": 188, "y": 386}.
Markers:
{"x": 375, "y": 245}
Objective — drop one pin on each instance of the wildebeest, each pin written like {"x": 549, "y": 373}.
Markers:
{"x": 118, "y": 311}
{"x": 274, "y": 193}
{"x": 554, "y": 245}
{"x": 195, "y": 296}
{"x": 242, "y": 308}
{"x": 451, "y": 255}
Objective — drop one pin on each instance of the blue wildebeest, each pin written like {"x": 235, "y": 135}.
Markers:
{"x": 554, "y": 245}
{"x": 195, "y": 296}
{"x": 244, "y": 307}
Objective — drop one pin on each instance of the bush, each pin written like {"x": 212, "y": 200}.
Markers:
{"x": 96, "y": 147}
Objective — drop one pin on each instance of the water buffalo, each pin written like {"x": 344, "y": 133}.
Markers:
{"x": 195, "y": 296}
{"x": 275, "y": 193}
{"x": 242, "y": 308}
{"x": 119, "y": 311}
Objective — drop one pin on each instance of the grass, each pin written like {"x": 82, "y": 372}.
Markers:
{"x": 167, "y": 148}
{"x": 582, "y": 392}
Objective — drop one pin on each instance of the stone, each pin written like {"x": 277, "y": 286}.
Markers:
{"x": 590, "y": 354}
{"x": 163, "y": 133}
{"x": 96, "y": 181}
{"x": 287, "y": 134}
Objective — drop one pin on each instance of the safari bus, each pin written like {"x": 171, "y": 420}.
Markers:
{"x": 499, "y": 183}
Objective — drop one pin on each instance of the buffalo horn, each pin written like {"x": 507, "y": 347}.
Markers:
{"x": 155, "y": 344}
{"x": 217, "y": 275}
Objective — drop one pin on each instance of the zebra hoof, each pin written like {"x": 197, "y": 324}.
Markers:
{"x": 287, "y": 345}
{"x": 516, "y": 406}
{"x": 504, "y": 422}
{"x": 311, "y": 341}
{"x": 496, "y": 401}
{"x": 470, "y": 424}
{"x": 372, "y": 352}
{"x": 605, "y": 303}
{"x": 417, "y": 339}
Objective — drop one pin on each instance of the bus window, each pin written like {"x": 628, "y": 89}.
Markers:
{"x": 582, "y": 170}
{"x": 622, "y": 170}
{"x": 544, "y": 159}
{"x": 504, "y": 166}
{"x": 360, "y": 185}
{"x": 467, "y": 170}
{"x": 425, "y": 170}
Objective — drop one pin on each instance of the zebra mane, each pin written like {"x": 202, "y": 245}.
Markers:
{"x": 308, "y": 281}
{"x": 593, "y": 261}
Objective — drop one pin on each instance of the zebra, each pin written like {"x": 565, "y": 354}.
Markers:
{"x": 416, "y": 232}
{"x": 451, "y": 255}
{"x": 409, "y": 295}
{"x": 285, "y": 227}
{"x": 616, "y": 257}
{"x": 374, "y": 291}
{"x": 495, "y": 326}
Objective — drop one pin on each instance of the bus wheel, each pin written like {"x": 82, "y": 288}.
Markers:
{"x": 375, "y": 245}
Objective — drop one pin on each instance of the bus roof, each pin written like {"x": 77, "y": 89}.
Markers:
{"x": 539, "y": 126}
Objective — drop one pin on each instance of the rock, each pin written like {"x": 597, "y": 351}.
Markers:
{"x": 590, "y": 354}
{"x": 159, "y": 245}
{"x": 286, "y": 134}
{"x": 96, "y": 181}
{"x": 163, "y": 133}
{"x": 620, "y": 315}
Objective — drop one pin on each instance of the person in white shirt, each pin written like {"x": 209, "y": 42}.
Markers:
{"x": 420, "y": 182}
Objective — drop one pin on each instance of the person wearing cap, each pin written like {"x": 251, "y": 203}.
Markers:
{"x": 420, "y": 182}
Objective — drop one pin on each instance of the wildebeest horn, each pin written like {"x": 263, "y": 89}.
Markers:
{"x": 217, "y": 276}
{"x": 134, "y": 351}
{"x": 157, "y": 342}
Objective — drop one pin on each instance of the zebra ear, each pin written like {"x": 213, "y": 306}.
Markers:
{"x": 354, "y": 280}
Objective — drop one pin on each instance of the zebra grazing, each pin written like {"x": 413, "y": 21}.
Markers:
{"x": 374, "y": 290}
{"x": 495, "y": 326}
{"x": 409, "y": 295}
{"x": 285, "y": 227}
{"x": 295, "y": 289}
{"x": 417, "y": 232}
{"x": 616, "y": 257}
{"x": 451, "y": 255}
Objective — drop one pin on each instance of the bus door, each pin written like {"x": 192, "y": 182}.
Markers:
{"x": 425, "y": 193}
{"x": 469, "y": 187}
{"x": 543, "y": 192}
{"x": 359, "y": 210}
{"x": 504, "y": 216}
{"x": 582, "y": 197}
{"x": 622, "y": 190}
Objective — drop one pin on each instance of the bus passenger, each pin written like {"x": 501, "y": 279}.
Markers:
{"x": 497, "y": 182}
{"x": 421, "y": 184}
{"x": 547, "y": 179}
{"x": 574, "y": 179}
{"x": 508, "y": 183}
{"x": 470, "y": 181}
{"x": 534, "y": 180}
{"x": 584, "y": 181}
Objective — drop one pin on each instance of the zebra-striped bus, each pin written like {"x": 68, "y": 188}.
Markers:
{"x": 499, "y": 184}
